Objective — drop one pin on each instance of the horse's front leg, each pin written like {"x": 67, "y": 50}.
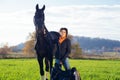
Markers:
{"x": 40, "y": 61}
{"x": 47, "y": 66}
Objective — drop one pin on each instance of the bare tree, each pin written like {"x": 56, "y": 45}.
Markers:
{"x": 29, "y": 45}
{"x": 76, "y": 51}
{"x": 5, "y": 49}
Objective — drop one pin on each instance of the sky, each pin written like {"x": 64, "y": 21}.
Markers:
{"x": 89, "y": 18}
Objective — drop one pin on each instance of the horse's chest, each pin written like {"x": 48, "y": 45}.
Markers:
{"x": 41, "y": 45}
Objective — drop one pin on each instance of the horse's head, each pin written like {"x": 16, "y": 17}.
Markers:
{"x": 39, "y": 19}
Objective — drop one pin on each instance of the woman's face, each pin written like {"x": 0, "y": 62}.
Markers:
{"x": 63, "y": 33}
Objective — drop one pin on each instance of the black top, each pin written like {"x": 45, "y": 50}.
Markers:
{"x": 65, "y": 49}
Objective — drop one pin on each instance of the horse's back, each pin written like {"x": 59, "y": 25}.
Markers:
{"x": 54, "y": 35}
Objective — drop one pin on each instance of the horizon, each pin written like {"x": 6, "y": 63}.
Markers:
{"x": 88, "y": 18}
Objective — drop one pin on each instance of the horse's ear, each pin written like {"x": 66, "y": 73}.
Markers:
{"x": 43, "y": 8}
{"x": 37, "y": 7}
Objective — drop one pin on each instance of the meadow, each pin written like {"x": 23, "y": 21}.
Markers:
{"x": 28, "y": 69}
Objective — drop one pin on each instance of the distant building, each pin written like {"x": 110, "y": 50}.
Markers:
{"x": 117, "y": 49}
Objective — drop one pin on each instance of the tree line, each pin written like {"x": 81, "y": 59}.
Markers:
{"x": 29, "y": 45}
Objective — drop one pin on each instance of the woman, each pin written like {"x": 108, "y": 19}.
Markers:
{"x": 65, "y": 49}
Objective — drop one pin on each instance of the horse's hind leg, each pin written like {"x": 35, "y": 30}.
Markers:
{"x": 47, "y": 67}
{"x": 40, "y": 61}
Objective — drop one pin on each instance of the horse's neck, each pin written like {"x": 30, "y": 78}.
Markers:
{"x": 46, "y": 29}
{"x": 40, "y": 40}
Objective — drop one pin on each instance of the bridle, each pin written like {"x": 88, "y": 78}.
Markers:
{"x": 42, "y": 32}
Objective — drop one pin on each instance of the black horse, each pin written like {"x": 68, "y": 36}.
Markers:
{"x": 46, "y": 42}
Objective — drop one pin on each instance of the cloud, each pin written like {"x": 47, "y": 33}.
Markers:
{"x": 87, "y": 20}
{"x": 15, "y": 26}
{"x": 82, "y": 20}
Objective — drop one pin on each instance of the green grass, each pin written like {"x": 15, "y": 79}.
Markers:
{"x": 28, "y": 69}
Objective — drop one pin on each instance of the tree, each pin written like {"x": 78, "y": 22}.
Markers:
{"x": 5, "y": 49}
{"x": 29, "y": 45}
{"x": 70, "y": 36}
{"x": 76, "y": 51}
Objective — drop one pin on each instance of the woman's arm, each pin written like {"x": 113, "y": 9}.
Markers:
{"x": 68, "y": 49}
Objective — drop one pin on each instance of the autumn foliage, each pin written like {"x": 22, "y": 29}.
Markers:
{"x": 5, "y": 49}
{"x": 29, "y": 44}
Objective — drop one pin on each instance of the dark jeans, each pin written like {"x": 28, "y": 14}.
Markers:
{"x": 65, "y": 63}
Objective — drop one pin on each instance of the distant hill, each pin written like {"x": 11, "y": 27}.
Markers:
{"x": 96, "y": 43}
{"x": 18, "y": 47}
{"x": 86, "y": 43}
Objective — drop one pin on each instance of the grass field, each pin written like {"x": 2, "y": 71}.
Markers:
{"x": 28, "y": 69}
